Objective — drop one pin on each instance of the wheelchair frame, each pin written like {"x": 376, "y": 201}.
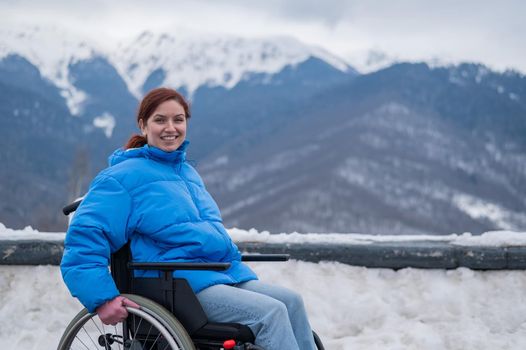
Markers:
{"x": 177, "y": 319}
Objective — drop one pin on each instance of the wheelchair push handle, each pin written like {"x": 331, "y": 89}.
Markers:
{"x": 71, "y": 207}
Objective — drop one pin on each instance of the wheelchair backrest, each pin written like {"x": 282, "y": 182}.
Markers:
{"x": 165, "y": 290}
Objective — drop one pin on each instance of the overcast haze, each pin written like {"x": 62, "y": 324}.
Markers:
{"x": 491, "y": 32}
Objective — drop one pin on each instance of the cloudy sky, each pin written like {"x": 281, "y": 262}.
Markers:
{"x": 365, "y": 33}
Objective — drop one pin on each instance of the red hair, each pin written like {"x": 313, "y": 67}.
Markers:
{"x": 148, "y": 105}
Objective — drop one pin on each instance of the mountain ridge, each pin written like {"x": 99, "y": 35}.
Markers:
{"x": 406, "y": 149}
{"x": 187, "y": 62}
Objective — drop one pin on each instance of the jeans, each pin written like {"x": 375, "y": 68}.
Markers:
{"x": 276, "y": 315}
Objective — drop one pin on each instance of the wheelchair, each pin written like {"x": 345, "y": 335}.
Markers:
{"x": 170, "y": 315}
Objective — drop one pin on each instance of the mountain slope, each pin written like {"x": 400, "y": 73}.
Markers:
{"x": 38, "y": 138}
{"x": 89, "y": 109}
{"x": 287, "y": 137}
{"x": 403, "y": 150}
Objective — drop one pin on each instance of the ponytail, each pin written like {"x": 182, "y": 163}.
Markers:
{"x": 136, "y": 141}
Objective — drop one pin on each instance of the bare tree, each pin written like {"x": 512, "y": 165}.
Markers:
{"x": 79, "y": 174}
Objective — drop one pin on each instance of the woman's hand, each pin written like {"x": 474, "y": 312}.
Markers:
{"x": 114, "y": 311}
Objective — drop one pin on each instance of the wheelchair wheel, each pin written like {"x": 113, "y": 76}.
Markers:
{"x": 317, "y": 341}
{"x": 150, "y": 327}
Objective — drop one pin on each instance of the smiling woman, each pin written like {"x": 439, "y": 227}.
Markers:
{"x": 153, "y": 199}
{"x": 162, "y": 118}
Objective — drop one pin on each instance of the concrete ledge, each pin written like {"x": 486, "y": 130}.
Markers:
{"x": 393, "y": 255}
{"x": 399, "y": 255}
{"x": 31, "y": 252}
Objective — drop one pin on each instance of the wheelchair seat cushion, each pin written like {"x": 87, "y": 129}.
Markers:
{"x": 224, "y": 331}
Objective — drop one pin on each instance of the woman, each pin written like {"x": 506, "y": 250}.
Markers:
{"x": 153, "y": 198}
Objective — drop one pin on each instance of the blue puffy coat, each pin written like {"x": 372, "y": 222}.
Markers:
{"x": 158, "y": 202}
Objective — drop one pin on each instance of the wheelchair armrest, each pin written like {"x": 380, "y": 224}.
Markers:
{"x": 265, "y": 257}
{"x": 172, "y": 266}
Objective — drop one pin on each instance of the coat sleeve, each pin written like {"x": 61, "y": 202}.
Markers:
{"x": 100, "y": 227}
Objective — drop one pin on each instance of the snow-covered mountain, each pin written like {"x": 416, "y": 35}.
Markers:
{"x": 287, "y": 137}
{"x": 52, "y": 50}
{"x": 182, "y": 60}
{"x": 50, "y": 74}
{"x": 190, "y": 61}
{"x": 407, "y": 149}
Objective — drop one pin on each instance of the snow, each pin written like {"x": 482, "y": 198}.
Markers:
{"x": 106, "y": 122}
{"x": 482, "y": 72}
{"x": 188, "y": 58}
{"x": 52, "y": 50}
{"x": 478, "y": 208}
{"x": 349, "y": 307}
{"x": 491, "y": 239}
{"x": 500, "y": 238}
{"x": 191, "y": 60}
{"x": 28, "y": 233}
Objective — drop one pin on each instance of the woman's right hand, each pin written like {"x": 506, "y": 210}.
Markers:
{"x": 114, "y": 311}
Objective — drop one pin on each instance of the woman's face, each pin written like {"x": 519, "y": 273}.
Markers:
{"x": 166, "y": 127}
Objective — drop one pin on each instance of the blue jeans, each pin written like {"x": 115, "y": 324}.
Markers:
{"x": 275, "y": 315}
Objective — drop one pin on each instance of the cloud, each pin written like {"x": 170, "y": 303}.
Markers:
{"x": 486, "y": 31}
{"x": 328, "y": 12}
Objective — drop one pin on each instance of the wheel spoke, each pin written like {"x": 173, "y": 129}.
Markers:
{"x": 97, "y": 326}
{"x": 158, "y": 335}
{"x": 135, "y": 329}
{"x": 149, "y": 330}
{"x": 89, "y": 336}
{"x": 80, "y": 340}
{"x": 117, "y": 333}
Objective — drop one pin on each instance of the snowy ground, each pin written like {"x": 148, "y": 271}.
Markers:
{"x": 350, "y": 307}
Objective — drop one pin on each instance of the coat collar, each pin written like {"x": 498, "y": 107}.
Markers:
{"x": 150, "y": 152}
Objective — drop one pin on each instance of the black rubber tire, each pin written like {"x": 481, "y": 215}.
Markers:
{"x": 149, "y": 307}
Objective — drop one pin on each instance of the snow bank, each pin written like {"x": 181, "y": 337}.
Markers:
{"x": 28, "y": 233}
{"x": 491, "y": 238}
{"x": 350, "y": 307}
